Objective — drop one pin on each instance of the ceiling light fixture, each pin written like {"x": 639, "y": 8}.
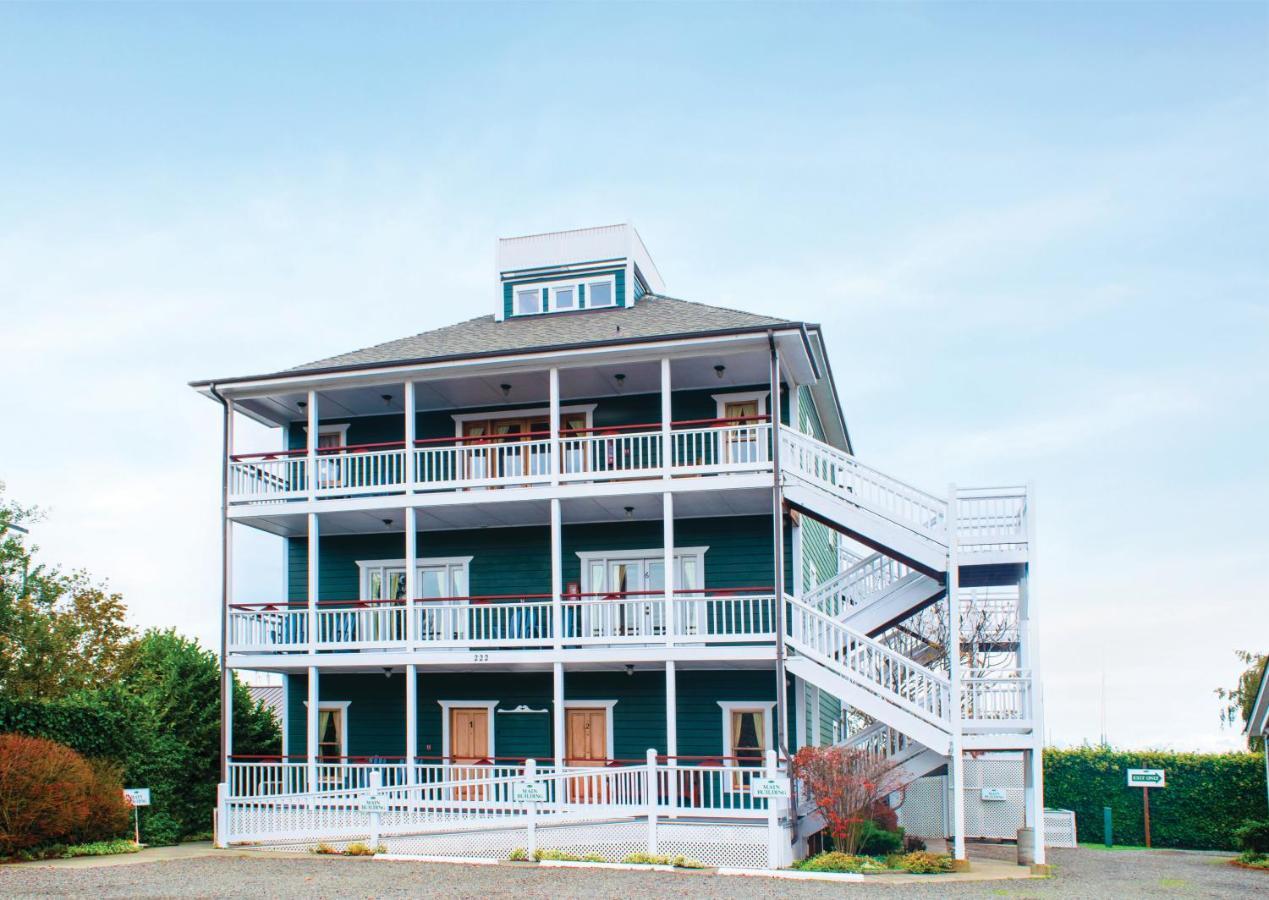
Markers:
{"x": 506, "y": 390}
{"x": 629, "y": 512}
{"x": 629, "y": 669}
{"x": 620, "y": 378}
{"x": 387, "y": 523}
{"x": 302, "y": 404}
{"x": 719, "y": 370}
{"x": 387, "y": 399}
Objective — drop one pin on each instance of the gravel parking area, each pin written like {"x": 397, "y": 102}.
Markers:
{"x": 1080, "y": 873}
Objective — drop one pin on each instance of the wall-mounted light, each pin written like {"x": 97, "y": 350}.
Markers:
{"x": 629, "y": 512}
{"x": 719, "y": 370}
{"x": 506, "y": 390}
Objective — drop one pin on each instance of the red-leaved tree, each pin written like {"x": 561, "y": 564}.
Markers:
{"x": 848, "y": 785}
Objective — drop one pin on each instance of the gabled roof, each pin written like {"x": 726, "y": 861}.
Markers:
{"x": 652, "y": 317}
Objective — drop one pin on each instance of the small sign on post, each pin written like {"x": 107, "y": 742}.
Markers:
{"x": 1146, "y": 779}
{"x": 136, "y": 798}
{"x": 531, "y": 792}
{"x": 769, "y": 788}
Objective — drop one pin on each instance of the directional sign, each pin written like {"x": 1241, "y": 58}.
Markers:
{"x": 531, "y": 792}
{"x": 1146, "y": 778}
{"x": 372, "y": 803}
{"x": 769, "y": 787}
{"x": 137, "y": 796}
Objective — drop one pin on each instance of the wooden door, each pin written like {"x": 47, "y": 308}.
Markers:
{"x": 469, "y": 749}
{"x": 475, "y": 453}
{"x": 741, "y": 444}
{"x": 586, "y": 745}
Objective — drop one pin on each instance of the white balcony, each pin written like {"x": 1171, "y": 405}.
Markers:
{"x": 585, "y": 455}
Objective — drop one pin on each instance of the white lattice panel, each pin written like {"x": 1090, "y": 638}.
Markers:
{"x": 1059, "y": 828}
{"x": 923, "y": 812}
{"x": 735, "y": 846}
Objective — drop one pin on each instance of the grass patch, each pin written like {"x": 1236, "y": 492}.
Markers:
{"x": 1173, "y": 882}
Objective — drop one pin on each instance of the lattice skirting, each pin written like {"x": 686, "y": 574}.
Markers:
{"x": 712, "y": 843}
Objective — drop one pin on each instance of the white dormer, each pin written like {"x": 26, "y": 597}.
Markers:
{"x": 568, "y": 271}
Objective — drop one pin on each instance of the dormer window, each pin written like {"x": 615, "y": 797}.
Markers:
{"x": 599, "y": 293}
{"x": 528, "y": 301}
{"x": 563, "y": 298}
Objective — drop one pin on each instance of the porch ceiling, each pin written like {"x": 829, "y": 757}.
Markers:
{"x": 528, "y": 384}
{"x": 510, "y": 514}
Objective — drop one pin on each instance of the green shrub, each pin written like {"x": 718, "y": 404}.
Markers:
{"x": 564, "y": 856}
{"x": 324, "y": 849}
{"x": 652, "y": 859}
{"x": 877, "y": 841}
{"x": 360, "y": 848}
{"x": 1253, "y": 837}
{"x": 519, "y": 854}
{"x": 920, "y": 862}
{"x": 1207, "y": 794}
{"x": 834, "y": 861}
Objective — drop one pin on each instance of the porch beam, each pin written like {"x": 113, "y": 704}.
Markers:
{"x": 311, "y": 721}
{"x": 407, "y": 400}
{"x": 671, "y": 710}
{"x": 667, "y": 562}
{"x": 411, "y": 573}
{"x": 554, "y": 413}
{"x": 411, "y": 720}
{"x": 314, "y": 557}
{"x": 667, "y": 416}
{"x": 557, "y": 574}
{"x": 314, "y": 426}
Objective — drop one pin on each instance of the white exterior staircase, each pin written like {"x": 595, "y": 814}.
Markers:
{"x": 874, "y": 593}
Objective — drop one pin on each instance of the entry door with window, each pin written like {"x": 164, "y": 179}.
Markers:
{"x": 586, "y": 746}
{"x": 330, "y": 745}
{"x": 613, "y": 613}
{"x": 741, "y": 438}
{"x": 748, "y": 742}
{"x": 469, "y": 750}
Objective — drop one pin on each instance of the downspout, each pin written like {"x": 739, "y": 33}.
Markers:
{"x": 777, "y": 528}
{"x": 225, "y": 684}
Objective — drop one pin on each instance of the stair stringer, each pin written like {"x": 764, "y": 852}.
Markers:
{"x": 904, "y": 598}
{"x": 866, "y": 701}
{"x": 868, "y": 527}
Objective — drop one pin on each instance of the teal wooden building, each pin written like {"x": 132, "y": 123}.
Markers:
{"x": 616, "y": 545}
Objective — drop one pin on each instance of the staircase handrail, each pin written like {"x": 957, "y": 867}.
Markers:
{"x": 847, "y": 590}
{"x": 831, "y": 469}
{"x": 869, "y": 663}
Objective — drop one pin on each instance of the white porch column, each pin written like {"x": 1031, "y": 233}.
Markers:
{"x": 227, "y": 599}
{"x": 412, "y": 720}
{"x": 311, "y": 722}
{"x": 557, "y": 714}
{"x": 956, "y": 769}
{"x": 555, "y": 454}
{"x": 671, "y": 710}
{"x": 817, "y": 736}
{"x": 411, "y": 573}
{"x": 667, "y": 561}
{"x": 799, "y": 564}
{"x": 557, "y": 573}
{"x": 1028, "y": 659}
{"x": 667, "y": 415}
{"x": 312, "y": 434}
{"x": 799, "y": 712}
{"x": 314, "y": 557}
{"x": 407, "y": 400}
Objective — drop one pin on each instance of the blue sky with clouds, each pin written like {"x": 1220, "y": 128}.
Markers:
{"x": 1036, "y": 236}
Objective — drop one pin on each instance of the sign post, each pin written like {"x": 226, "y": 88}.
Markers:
{"x": 372, "y": 804}
{"x": 1146, "y": 779}
{"x": 136, "y": 798}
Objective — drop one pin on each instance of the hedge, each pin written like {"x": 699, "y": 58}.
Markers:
{"x": 1207, "y": 796}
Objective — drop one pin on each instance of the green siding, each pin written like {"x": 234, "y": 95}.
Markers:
{"x": 517, "y": 560}
{"x": 376, "y": 709}
{"x": 619, "y": 278}
{"x": 631, "y": 409}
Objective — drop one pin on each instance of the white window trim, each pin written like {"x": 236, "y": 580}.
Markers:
{"x": 462, "y": 418}
{"x": 365, "y": 565}
{"x": 721, "y": 401}
{"x": 731, "y": 706}
{"x": 609, "y": 705}
{"x": 342, "y": 706}
{"x": 612, "y": 292}
{"x": 447, "y": 705}
{"x": 589, "y": 556}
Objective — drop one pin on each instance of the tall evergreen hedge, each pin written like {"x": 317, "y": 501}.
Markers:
{"x": 1207, "y": 796}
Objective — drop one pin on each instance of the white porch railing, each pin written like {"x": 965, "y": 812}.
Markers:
{"x": 698, "y": 447}
{"x": 852, "y": 588}
{"x": 991, "y": 519}
{"x": 995, "y": 696}
{"x": 523, "y": 622}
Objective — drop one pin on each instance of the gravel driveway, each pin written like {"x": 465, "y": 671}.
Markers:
{"x": 1080, "y": 873}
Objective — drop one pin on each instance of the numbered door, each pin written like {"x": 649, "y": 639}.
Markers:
{"x": 469, "y": 750}
{"x": 586, "y": 746}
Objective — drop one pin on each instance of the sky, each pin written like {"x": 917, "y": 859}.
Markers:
{"x": 1036, "y": 236}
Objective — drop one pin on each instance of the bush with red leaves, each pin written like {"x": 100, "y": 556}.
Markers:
{"x": 49, "y": 793}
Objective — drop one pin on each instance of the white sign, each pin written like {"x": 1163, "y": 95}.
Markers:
{"x": 531, "y": 792}
{"x": 1146, "y": 778}
{"x": 994, "y": 794}
{"x": 137, "y": 796}
{"x": 372, "y": 803}
{"x": 769, "y": 787}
